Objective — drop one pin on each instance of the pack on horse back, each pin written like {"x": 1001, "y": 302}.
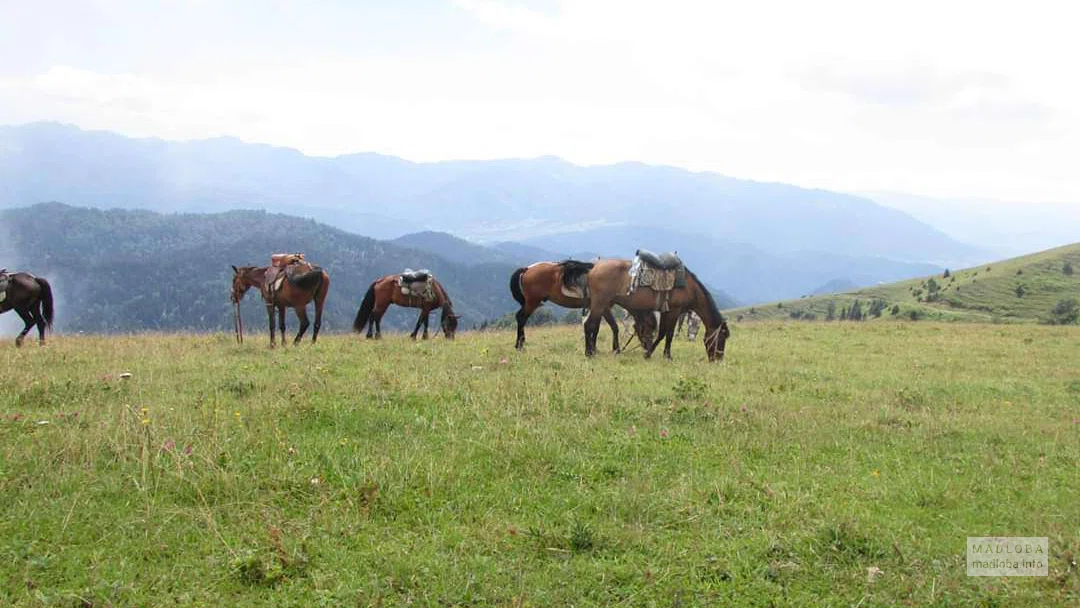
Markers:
{"x": 661, "y": 273}
{"x": 280, "y": 266}
{"x": 418, "y": 284}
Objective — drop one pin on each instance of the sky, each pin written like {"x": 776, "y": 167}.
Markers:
{"x": 946, "y": 98}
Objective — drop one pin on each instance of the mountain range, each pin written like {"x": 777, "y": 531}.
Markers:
{"x": 755, "y": 241}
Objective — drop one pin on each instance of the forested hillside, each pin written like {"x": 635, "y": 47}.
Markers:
{"x": 124, "y": 270}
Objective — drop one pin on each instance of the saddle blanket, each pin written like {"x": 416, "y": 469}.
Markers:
{"x": 3, "y": 284}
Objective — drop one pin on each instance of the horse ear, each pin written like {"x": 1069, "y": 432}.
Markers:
{"x": 236, "y": 270}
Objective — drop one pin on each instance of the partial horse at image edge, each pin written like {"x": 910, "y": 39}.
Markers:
{"x": 32, "y": 298}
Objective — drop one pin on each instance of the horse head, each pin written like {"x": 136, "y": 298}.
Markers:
{"x": 449, "y": 323}
{"x": 716, "y": 341}
{"x": 241, "y": 283}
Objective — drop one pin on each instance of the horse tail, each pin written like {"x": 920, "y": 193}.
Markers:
{"x": 515, "y": 286}
{"x": 46, "y": 300}
{"x": 366, "y": 307}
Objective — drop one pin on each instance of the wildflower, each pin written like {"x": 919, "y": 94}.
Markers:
{"x": 663, "y": 433}
{"x": 876, "y": 473}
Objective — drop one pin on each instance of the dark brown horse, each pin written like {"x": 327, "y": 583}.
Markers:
{"x": 302, "y": 283}
{"x": 564, "y": 283}
{"x": 29, "y": 296}
{"x": 387, "y": 290}
{"x": 609, "y": 283}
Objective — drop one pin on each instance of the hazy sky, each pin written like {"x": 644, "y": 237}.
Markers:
{"x": 943, "y": 97}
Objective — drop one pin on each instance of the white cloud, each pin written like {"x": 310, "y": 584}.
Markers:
{"x": 956, "y": 98}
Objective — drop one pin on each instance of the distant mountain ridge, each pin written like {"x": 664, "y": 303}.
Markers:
{"x": 503, "y": 200}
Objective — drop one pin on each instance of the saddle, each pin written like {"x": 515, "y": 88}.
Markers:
{"x": 661, "y": 273}
{"x": 664, "y": 261}
{"x": 282, "y": 266}
{"x": 417, "y": 283}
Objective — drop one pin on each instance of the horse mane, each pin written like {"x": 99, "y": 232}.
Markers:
{"x": 710, "y": 303}
{"x": 573, "y": 270}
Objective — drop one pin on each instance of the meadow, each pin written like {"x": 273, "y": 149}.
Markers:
{"x": 839, "y": 464}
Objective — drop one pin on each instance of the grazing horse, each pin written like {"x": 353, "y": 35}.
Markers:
{"x": 29, "y": 296}
{"x": 564, "y": 284}
{"x": 301, "y": 284}
{"x": 387, "y": 290}
{"x": 609, "y": 283}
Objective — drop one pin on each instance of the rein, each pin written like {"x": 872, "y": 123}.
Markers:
{"x": 633, "y": 333}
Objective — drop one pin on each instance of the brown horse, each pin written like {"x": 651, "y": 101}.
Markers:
{"x": 564, "y": 284}
{"x": 302, "y": 284}
{"x": 386, "y": 291}
{"x": 609, "y": 283}
{"x": 29, "y": 296}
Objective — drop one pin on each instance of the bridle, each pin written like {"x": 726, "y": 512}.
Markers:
{"x": 712, "y": 341}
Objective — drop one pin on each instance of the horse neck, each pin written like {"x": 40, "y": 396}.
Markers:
{"x": 254, "y": 277}
{"x": 710, "y": 317}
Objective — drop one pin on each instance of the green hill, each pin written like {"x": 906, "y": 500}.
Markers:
{"x": 1023, "y": 289}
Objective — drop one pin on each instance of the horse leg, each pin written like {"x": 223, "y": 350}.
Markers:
{"x": 610, "y": 318}
{"x": 427, "y": 319}
{"x": 666, "y": 325}
{"x": 318, "y": 316}
{"x": 29, "y": 320}
{"x": 669, "y": 337}
{"x": 281, "y": 324}
{"x": 270, "y": 315}
{"x": 592, "y": 328}
{"x": 301, "y": 314}
{"x": 40, "y": 321}
{"x": 378, "y": 323}
{"x": 419, "y": 320}
{"x": 522, "y": 317}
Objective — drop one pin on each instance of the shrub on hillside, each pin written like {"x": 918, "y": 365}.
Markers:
{"x": 1065, "y": 312}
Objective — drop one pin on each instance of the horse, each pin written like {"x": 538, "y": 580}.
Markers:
{"x": 387, "y": 290}
{"x": 29, "y": 296}
{"x": 563, "y": 283}
{"x": 609, "y": 283}
{"x": 304, "y": 284}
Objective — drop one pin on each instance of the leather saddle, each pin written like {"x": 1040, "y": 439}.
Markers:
{"x": 664, "y": 261}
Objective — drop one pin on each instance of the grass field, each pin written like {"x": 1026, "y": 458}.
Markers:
{"x": 833, "y": 464}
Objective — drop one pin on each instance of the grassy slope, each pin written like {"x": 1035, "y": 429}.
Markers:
{"x": 976, "y": 294}
{"x": 364, "y": 473}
